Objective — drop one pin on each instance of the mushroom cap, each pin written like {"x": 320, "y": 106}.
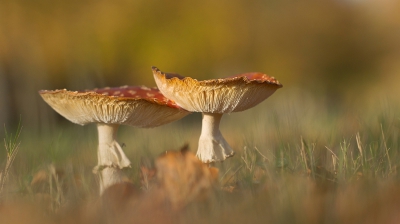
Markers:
{"x": 138, "y": 106}
{"x": 232, "y": 94}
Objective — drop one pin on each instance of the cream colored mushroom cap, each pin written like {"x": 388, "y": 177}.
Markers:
{"x": 128, "y": 105}
{"x": 232, "y": 94}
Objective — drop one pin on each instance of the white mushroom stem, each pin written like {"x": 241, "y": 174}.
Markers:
{"x": 212, "y": 145}
{"x": 111, "y": 157}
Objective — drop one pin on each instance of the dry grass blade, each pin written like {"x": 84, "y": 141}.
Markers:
{"x": 11, "y": 145}
{"x": 335, "y": 159}
{"x": 333, "y": 154}
{"x": 262, "y": 155}
{"x": 359, "y": 146}
{"x": 386, "y": 149}
{"x": 233, "y": 175}
{"x": 303, "y": 153}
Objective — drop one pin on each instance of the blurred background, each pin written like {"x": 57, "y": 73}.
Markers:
{"x": 345, "y": 51}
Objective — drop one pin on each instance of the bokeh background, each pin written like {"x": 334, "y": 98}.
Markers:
{"x": 338, "y": 61}
{"x": 347, "y": 51}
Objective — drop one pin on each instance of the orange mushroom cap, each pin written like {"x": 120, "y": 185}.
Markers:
{"x": 232, "y": 94}
{"x": 129, "y": 105}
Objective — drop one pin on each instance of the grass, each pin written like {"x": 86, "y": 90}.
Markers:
{"x": 11, "y": 145}
{"x": 296, "y": 162}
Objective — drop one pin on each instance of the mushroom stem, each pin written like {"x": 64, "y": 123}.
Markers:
{"x": 111, "y": 157}
{"x": 212, "y": 145}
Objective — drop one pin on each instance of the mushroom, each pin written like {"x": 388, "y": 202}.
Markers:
{"x": 213, "y": 98}
{"x": 137, "y": 106}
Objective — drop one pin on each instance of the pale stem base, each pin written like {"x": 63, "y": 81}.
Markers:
{"x": 212, "y": 145}
{"x": 111, "y": 157}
